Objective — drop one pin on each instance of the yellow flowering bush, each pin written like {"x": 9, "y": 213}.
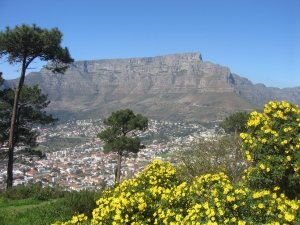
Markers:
{"x": 80, "y": 219}
{"x": 135, "y": 200}
{"x": 156, "y": 197}
{"x": 272, "y": 144}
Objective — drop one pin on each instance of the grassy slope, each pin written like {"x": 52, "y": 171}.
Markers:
{"x": 31, "y": 211}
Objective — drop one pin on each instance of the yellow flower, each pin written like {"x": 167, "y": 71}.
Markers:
{"x": 289, "y": 217}
{"x": 262, "y": 166}
{"x": 233, "y": 219}
{"x": 287, "y": 129}
{"x": 263, "y": 140}
{"x": 243, "y": 135}
{"x": 276, "y": 188}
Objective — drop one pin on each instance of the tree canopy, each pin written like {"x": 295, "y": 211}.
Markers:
{"x": 30, "y": 112}
{"x": 119, "y": 135}
{"x": 22, "y": 45}
{"x": 25, "y": 43}
{"x": 235, "y": 123}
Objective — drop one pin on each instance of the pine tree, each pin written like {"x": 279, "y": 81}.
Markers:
{"x": 30, "y": 113}
{"x": 22, "y": 45}
{"x": 119, "y": 135}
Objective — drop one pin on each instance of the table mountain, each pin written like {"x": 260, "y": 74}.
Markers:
{"x": 170, "y": 87}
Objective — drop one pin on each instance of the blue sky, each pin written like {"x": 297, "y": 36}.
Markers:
{"x": 256, "y": 39}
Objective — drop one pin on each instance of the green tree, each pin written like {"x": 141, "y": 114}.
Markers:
{"x": 120, "y": 137}
{"x": 235, "y": 123}
{"x": 30, "y": 112}
{"x": 22, "y": 45}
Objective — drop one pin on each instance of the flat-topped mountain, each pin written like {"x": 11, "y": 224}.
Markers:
{"x": 171, "y": 87}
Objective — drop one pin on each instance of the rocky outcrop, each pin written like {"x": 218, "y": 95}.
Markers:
{"x": 174, "y": 87}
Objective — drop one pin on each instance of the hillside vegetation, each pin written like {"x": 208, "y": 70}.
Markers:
{"x": 37, "y": 205}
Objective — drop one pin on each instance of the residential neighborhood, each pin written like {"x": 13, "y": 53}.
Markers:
{"x": 81, "y": 163}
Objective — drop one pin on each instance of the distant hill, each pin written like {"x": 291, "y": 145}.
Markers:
{"x": 170, "y": 87}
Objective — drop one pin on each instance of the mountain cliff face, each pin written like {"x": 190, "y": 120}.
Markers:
{"x": 172, "y": 87}
{"x": 259, "y": 94}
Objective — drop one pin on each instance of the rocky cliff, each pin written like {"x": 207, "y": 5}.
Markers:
{"x": 172, "y": 87}
{"x": 259, "y": 94}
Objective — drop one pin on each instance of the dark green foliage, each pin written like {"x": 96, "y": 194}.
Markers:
{"x": 31, "y": 42}
{"x": 34, "y": 191}
{"x": 119, "y": 134}
{"x": 122, "y": 122}
{"x": 235, "y": 123}
{"x": 31, "y": 112}
{"x": 123, "y": 144}
{"x": 82, "y": 201}
{"x": 120, "y": 126}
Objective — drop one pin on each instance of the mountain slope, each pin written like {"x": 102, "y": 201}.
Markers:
{"x": 171, "y": 87}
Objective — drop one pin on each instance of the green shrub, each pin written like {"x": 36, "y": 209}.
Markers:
{"x": 235, "y": 123}
{"x": 36, "y": 191}
{"x": 272, "y": 144}
{"x": 21, "y": 191}
{"x": 213, "y": 155}
{"x": 82, "y": 202}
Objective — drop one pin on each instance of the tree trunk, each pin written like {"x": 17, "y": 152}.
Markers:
{"x": 11, "y": 140}
{"x": 16, "y": 138}
{"x": 118, "y": 173}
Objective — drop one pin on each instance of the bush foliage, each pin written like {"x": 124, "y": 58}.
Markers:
{"x": 212, "y": 155}
{"x": 157, "y": 197}
{"x": 35, "y": 191}
{"x": 82, "y": 202}
{"x": 235, "y": 123}
{"x": 272, "y": 144}
{"x": 35, "y": 204}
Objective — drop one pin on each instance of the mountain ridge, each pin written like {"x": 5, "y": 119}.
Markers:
{"x": 173, "y": 87}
